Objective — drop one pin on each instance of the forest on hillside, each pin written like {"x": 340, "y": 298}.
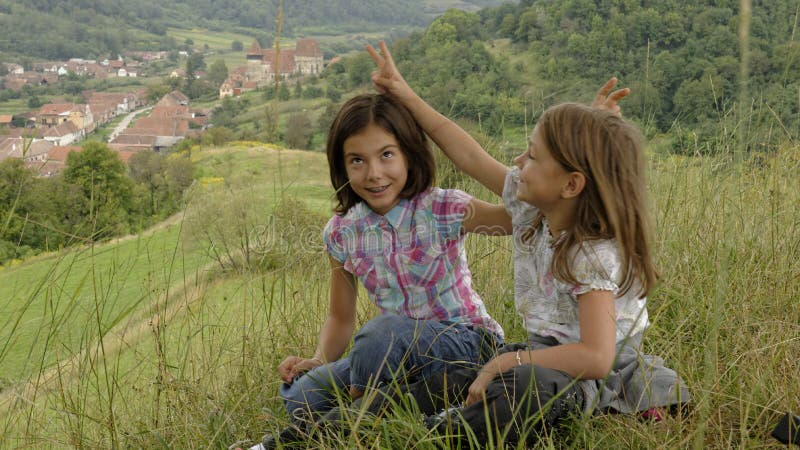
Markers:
{"x": 681, "y": 59}
{"x": 90, "y": 28}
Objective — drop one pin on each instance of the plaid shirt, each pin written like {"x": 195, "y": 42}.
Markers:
{"x": 412, "y": 260}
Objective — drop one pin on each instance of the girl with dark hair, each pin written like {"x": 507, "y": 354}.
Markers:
{"x": 404, "y": 240}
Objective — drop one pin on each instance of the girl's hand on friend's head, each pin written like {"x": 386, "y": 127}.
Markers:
{"x": 293, "y": 366}
{"x": 386, "y": 78}
{"x": 605, "y": 99}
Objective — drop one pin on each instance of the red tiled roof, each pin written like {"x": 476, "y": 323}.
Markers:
{"x": 6, "y": 119}
{"x": 255, "y": 48}
{"x": 106, "y": 97}
{"x": 169, "y": 111}
{"x": 159, "y": 127}
{"x": 174, "y": 98}
{"x": 61, "y": 130}
{"x": 286, "y": 61}
{"x": 102, "y": 108}
{"x": 55, "y": 109}
{"x": 12, "y": 147}
{"x": 134, "y": 140}
{"x": 59, "y": 152}
{"x": 307, "y": 47}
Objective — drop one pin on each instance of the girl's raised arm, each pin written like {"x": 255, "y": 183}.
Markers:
{"x": 456, "y": 143}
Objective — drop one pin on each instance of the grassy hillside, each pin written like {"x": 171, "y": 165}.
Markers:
{"x": 190, "y": 346}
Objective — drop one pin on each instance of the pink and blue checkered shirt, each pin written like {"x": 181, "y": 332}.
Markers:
{"x": 412, "y": 260}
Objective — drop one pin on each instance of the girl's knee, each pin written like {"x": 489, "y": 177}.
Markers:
{"x": 293, "y": 396}
{"x": 382, "y": 327}
{"x": 376, "y": 338}
{"x": 316, "y": 390}
{"x": 378, "y": 350}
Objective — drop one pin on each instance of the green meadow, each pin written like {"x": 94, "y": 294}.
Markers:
{"x": 218, "y": 42}
{"x": 170, "y": 339}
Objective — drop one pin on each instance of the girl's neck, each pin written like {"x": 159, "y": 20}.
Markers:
{"x": 559, "y": 220}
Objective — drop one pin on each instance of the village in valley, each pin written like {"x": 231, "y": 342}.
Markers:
{"x": 44, "y": 136}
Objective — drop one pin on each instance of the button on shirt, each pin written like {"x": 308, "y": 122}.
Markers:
{"x": 412, "y": 260}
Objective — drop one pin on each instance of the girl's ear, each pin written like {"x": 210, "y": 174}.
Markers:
{"x": 575, "y": 184}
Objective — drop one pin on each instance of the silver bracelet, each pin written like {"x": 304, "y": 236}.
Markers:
{"x": 317, "y": 359}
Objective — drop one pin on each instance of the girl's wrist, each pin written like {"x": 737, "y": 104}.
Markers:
{"x": 318, "y": 360}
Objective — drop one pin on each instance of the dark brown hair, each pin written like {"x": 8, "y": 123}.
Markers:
{"x": 613, "y": 205}
{"x": 354, "y": 116}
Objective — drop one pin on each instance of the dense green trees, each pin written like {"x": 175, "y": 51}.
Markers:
{"x": 165, "y": 177}
{"x": 94, "y": 198}
{"x": 59, "y": 30}
{"x": 451, "y": 67}
{"x": 681, "y": 57}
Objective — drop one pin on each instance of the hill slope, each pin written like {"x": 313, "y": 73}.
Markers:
{"x": 57, "y": 29}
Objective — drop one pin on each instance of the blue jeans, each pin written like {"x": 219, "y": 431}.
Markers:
{"x": 389, "y": 348}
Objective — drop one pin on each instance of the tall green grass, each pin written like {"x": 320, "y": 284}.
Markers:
{"x": 190, "y": 348}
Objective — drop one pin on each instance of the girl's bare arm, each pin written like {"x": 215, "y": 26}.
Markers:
{"x": 337, "y": 329}
{"x": 591, "y": 358}
{"x": 456, "y": 143}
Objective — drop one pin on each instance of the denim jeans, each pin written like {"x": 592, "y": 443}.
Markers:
{"x": 388, "y": 348}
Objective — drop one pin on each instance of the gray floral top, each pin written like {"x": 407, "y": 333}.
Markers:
{"x": 549, "y": 307}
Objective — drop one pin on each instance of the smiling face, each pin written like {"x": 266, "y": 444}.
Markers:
{"x": 376, "y": 167}
{"x": 541, "y": 177}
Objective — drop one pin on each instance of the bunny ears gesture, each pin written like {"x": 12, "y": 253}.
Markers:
{"x": 386, "y": 79}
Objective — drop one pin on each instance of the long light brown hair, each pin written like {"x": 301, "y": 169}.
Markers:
{"x": 613, "y": 205}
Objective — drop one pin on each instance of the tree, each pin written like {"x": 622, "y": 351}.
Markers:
{"x": 106, "y": 200}
{"x": 237, "y": 46}
{"x": 156, "y": 92}
{"x": 283, "y": 92}
{"x": 217, "y": 73}
{"x": 325, "y": 119}
{"x": 299, "y": 131}
{"x": 358, "y": 69}
{"x": 165, "y": 177}
{"x": 298, "y": 89}
{"x": 333, "y": 94}
{"x": 313, "y": 92}
{"x": 217, "y": 136}
{"x": 194, "y": 63}
{"x": 34, "y": 102}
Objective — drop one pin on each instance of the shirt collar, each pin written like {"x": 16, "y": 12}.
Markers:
{"x": 399, "y": 217}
